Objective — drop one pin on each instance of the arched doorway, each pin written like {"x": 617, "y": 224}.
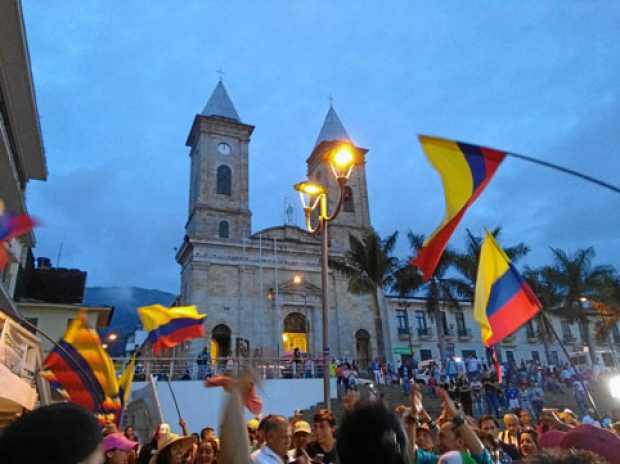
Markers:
{"x": 220, "y": 341}
{"x": 362, "y": 348}
{"x": 295, "y": 334}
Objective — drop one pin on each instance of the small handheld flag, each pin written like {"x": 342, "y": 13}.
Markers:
{"x": 465, "y": 171}
{"x": 503, "y": 300}
{"x": 168, "y": 327}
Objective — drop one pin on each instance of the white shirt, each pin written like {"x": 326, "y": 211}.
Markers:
{"x": 266, "y": 456}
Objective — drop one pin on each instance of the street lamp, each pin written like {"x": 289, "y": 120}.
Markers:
{"x": 341, "y": 159}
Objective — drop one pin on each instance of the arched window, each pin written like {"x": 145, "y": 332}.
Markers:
{"x": 348, "y": 200}
{"x": 224, "y": 177}
{"x": 224, "y": 229}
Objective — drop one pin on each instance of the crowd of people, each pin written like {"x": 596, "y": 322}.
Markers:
{"x": 368, "y": 432}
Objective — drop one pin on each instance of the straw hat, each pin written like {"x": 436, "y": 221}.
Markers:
{"x": 169, "y": 440}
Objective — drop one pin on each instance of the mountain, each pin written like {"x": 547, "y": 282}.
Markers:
{"x": 126, "y": 301}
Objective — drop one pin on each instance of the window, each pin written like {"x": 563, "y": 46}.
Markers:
{"x": 347, "y": 205}
{"x": 401, "y": 317}
{"x": 555, "y": 360}
{"x": 531, "y": 332}
{"x": 426, "y": 355}
{"x": 535, "y": 356}
{"x": 566, "y": 332}
{"x": 468, "y": 353}
{"x": 608, "y": 359}
{"x": 444, "y": 322}
{"x": 460, "y": 322}
{"x": 223, "y": 229}
{"x": 224, "y": 176}
{"x": 450, "y": 349}
{"x": 510, "y": 357}
{"x": 420, "y": 318}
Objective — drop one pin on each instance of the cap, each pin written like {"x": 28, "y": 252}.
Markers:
{"x": 119, "y": 441}
{"x": 599, "y": 441}
{"x": 253, "y": 424}
{"x": 301, "y": 426}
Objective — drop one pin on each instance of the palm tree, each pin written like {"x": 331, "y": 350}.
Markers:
{"x": 547, "y": 293}
{"x": 467, "y": 263}
{"x": 606, "y": 302}
{"x": 369, "y": 267}
{"x": 438, "y": 289}
{"x": 577, "y": 280}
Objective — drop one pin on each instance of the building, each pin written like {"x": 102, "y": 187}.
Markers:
{"x": 51, "y": 298}
{"x": 261, "y": 289}
{"x": 22, "y": 159}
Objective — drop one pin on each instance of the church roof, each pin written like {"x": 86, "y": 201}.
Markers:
{"x": 220, "y": 104}
{"x": 332, "y": 128}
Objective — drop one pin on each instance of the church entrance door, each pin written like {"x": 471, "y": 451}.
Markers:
{"x": 220, "y": 341}
{"x": 362, "y": 347}
{"x": 295, "y": 334}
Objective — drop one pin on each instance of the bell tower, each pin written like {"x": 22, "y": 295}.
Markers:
{"x": 354, "y": 216}
{"x": 218, "y": 199}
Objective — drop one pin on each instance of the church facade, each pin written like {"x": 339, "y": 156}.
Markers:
{"x": 261, "y": 289}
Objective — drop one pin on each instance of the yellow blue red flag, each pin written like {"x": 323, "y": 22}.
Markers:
{"x": 503, "y": 300}
{"x": 465, "y": 171}
{"x": 126, "y": 380}
{"x": 81, "y": 369}
{"x": 168, "y": 327}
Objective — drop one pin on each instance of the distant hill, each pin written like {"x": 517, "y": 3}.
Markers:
{"x": 125, "y": 301}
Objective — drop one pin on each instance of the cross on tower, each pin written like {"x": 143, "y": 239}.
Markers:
{"x": 331, "y": 100}
{"x": 220, "y": 71}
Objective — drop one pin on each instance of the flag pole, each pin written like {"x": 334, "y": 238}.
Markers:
{"x": 570, "y": 361}
{"x": 174, "y": 398}
{"x": 571, "y": 172}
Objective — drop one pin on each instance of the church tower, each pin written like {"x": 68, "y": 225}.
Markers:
{"x": 218, "y": 200}
{"x": 354, "y": 217}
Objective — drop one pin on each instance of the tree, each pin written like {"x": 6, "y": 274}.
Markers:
{"x": 369, "y": 267}
{"x": 577, "y": 279}
{"x": 466, "y": 263}
{"x": 547, "y": 293}
{"x": 439, "y": 288}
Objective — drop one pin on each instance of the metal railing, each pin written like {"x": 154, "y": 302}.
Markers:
{"x": 464, "y": 333}
{"x": 403, "y": 331}
{"x": 424, "y": 332}
{"x": 193, "y": 368}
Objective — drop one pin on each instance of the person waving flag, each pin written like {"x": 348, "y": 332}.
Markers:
{"x": 503, "y": 301}
{"x": 465, "y": 171}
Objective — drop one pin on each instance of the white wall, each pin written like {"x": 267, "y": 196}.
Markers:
{"x": 201, "y": 407}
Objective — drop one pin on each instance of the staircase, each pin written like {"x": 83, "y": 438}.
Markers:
{"x": 392, "y": 396}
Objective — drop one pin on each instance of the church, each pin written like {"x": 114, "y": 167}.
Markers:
{"x": 261, "y": 289}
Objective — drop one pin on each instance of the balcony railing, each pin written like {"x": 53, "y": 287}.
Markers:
{"x": 188, "y": 368}
{"x": 449, "y": 333}
{"x": 532, "y": 337}
{"x": 464, "y": 333}
{"x": 568, "y": 338}
{"x": 425, "y": 332}
{"x": 403, "y": 331}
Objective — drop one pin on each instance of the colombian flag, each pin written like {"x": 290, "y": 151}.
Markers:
{"x": 81, "y": 370}
{"x": 168, "y": 327}
{"x": 465, "y": 171}
{"x": 503, "y": 301}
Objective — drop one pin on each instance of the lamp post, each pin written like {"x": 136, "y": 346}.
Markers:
{"x": 341, "y": 158}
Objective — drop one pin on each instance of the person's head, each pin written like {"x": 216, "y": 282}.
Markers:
{"x": 207, "y": 432}
{"x": 162, "y": 431}
{"x": 615, "y": 428}
{"x": 371, "y": 433}
{"x": 449, "y": 439}
{"x": 525, "y": 418}
{"x": 61, "y": 432}
{"x": 117, "y": 448}
{"x": 252, "y": 426}
{"x": 174, "y": 449}
{"x": 278, "y": 434}
{"x": 528, "y": 443}
{"x": 560, "y": 456}
{"x": 130, "y": 433}
{"x": 207, "y": 451}
{"x": 488, "y": 424}
{"x": 324, "y": 426}
{"x": 489, "y": 441}
{"x": 511, "y": 423}
{"x": 301, "y": 434}
{"x": 424, "y": 439}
